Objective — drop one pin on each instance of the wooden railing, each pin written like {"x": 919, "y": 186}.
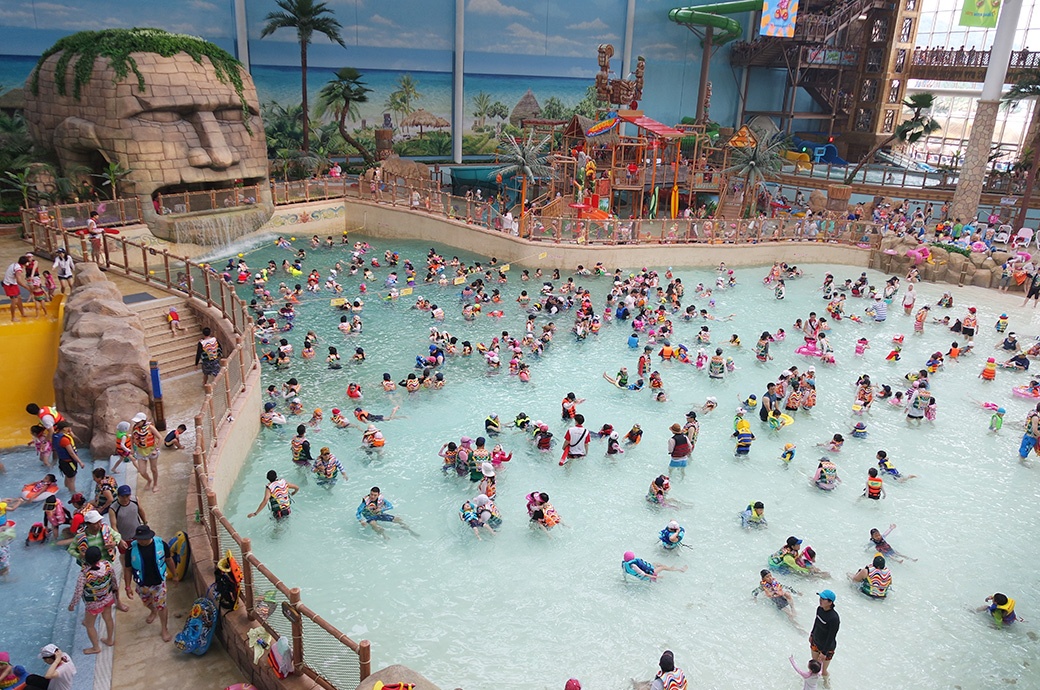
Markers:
{"x": 966, "y": 64}
{"x": 71, "y": 217}
{"x": 208, "y": 200}
{"x": 320, "y": 651}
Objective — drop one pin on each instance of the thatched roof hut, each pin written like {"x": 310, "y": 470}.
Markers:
{"x": 424, "y": 118}
{"x": 526, "y": 107}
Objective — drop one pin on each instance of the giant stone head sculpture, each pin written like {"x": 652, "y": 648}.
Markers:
{"x": 177, "y": 111}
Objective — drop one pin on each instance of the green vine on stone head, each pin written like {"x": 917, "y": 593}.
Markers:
{"x": 118, "y": 44}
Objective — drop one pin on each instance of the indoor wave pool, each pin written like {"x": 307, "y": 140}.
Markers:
{"x": 522, "y": 609}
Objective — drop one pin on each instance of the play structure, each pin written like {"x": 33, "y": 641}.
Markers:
{"x": 818, "y": 153}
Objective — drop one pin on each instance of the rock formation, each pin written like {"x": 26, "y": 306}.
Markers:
{"x": 189, "y": 122}
{"x": 102, "y": 377}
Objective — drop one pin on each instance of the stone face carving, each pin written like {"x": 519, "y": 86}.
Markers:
{"x": 102, "y": 377}
{"x": 185, "y": 131}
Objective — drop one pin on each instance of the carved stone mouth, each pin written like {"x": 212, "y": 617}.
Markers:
{"x": 195, "y": 187}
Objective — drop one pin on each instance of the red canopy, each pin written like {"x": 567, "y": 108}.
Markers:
{"x": 658, "y": 128}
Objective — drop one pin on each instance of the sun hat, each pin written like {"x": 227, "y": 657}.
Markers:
{"x": 465, "y": 440}
{"x": 144, "y": 532}
{"x": 371, "y": 427}
{"x": 861, "y": 426}
{"x": 827, "y": 594}
{"x": 487, "y": 469}
{"x": 675, "y": 428}
{"x": 92, "y": 516}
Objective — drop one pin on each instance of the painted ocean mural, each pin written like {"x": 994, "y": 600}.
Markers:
{"x": 282, "y": 85}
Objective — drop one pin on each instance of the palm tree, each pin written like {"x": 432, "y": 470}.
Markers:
{"x": 481, "y": 104}
{"x": 756, "y": 164}
{"x": 408, "y": 88}
{"x": 909, "y": 131}
{"x": 111, "y": 175}
{"x": 341, "y": 96}
{"x": 307, "y": 17}
{"x": 1028, "y": 87}
{"x": 523, "y": 157}
{"x": 395, "y": 104}
{"x": 22, "y": 183}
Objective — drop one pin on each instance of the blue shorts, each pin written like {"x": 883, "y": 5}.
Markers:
{"x": 677, "y": 462}
{"x": 380, "y": 517}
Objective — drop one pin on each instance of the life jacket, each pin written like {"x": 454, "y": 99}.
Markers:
{"x": 682, "y": 446}
{"x": 521, "y": 421}
{"x": 123, "y": 448}
{"x": 82, "y": 544}
{"x": 37, "y": 534}
{"x": 160, "y": 558}
{"x": 877, "y": 583}
{"x": 143, "y": 438}
{"x": 673, "y": 680}
{"x": 644, "y": 364}
{"x": 376, "y": 440}
{"x": 794, "y": 400}
{"x": 210, "y": 349}
{"x": 665, "y": 538}
{"x": 47, "y": 410}
{"x": 361, "y": 415}
{"x": 1006, "y": 613}
{"x": 487, "y": 487}
{"x": 544, "y": 441}
{"x": 637, "y": 567}
{"x": 969, "y": 322}
{"x": 809, "y": 400}
{"x": 716, "y": 366}
{"x": 567, "y": 408}
{"x": 108, "y": 483}
{"x": 300, "y": 449}
{"x": 830, "y": 472}
{"x": 228, "y": 577}
{"x": 666, "y": 352}
{"x": 62, "y": 451}
{"x": 280, "y": 501}
{"x": 874, "y": 485}
{"x": 752, "y": 515}
{"x": 97, "y": 582}
{"x": 551, "y": 517}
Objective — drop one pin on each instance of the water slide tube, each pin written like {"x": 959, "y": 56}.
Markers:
{"x": 709, "y": 15}
{"x": 32, "y": 346}
{"x": 801, "y": 160}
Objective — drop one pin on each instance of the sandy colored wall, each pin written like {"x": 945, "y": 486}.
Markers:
{"x": 236, "y": 439}
{"x": 379, "y": 220}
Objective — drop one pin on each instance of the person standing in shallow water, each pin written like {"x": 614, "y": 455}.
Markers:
{"x": 823, "y": 638}
{"x": 207, "y": 354}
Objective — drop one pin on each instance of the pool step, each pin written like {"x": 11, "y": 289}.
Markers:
{"x": 175, "y": 352}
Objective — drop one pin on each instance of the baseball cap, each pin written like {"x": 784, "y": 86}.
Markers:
{"x": 673, "y": 525}
{"x": 139, "y": 417}
{"x": 335, "y": 410}
{"x": 269, "y": 406}
{"x": 92, "y": 516}
{"x": 124, "y": 490}
{"x": 48, "y": 651}
{"x": 827, "y": 594}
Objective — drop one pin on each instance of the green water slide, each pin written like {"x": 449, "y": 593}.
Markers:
{"x": 725, "y": 29}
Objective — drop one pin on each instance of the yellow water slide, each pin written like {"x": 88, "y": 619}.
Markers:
{"x": 801, "y": 160}
{"x": 30, "y": 349}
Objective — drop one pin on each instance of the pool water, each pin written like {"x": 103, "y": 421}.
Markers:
{"x": 522, "y": 610}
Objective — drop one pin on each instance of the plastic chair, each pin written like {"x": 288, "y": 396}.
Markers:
{"x": 1023, "y": 238}
{"x": 1003, "y": 234}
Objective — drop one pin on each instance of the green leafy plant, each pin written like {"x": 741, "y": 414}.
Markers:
{"x": 911, "y": 130}
{"x": 117, "y": 46}
{"x": 341, "y": 96}
{"x": 952, "y": 248}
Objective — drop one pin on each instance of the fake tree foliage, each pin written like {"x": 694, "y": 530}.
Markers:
{"x": 756, "y": 164}
{"x": 911, "y": 130}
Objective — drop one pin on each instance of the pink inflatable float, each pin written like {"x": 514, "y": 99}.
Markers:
{"x": 810, "y": 349}
{"x": 919, "y": 255}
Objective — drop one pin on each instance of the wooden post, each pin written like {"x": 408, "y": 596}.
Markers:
{"x": 209, "y": 294}
{"x": 247, "y": 577}
{"x": 166, "y": 265}
{"x": 365, "y": 658}
{"x": 211, "y": 501}
{"x": 187, "y": 275}
{"x": 241, "y": 360}
{"x": 297, "y": 630}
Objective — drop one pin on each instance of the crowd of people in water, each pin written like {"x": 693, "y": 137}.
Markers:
{"x": 649, "y": 304}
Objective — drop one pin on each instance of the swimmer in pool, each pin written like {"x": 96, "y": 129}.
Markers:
{"x": 879, "y": 545}
{"x": 649, "y": 572}
{"x": 886, "y": 467}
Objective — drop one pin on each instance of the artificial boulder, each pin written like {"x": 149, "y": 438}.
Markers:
{"x": 983, "y": 278}
{"x": 817, "y": 201}
{"x": 391, "y": 675}
{"x": 102, "y": 376}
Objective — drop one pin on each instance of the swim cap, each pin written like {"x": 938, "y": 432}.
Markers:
{"x": 629, "y": 556}
{"x": 1001, "y": 410}
{"x": 572, "y": 684}
{"x": 335, "y": 410}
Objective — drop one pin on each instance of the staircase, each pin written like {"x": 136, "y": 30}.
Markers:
{"x": 174, "y": 353}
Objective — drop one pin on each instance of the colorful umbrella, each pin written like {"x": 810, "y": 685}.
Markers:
{"x": 603, "y": 126}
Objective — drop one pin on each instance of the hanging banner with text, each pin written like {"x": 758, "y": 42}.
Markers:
{"x": 779, "y": 17}
{"x": 982, "y": 13}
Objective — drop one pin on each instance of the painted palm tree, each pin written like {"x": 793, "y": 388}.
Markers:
{"x": 523, "y": 157}
{"x": 341, "y": 96}
{"x": 396, "y": 105}
{"x": 409, "y": 90}
{"x": 307, "y": 17}
{"x": 1028, "y": 88}
{"x": 911, "y": 130}
{"x": 481, "y": 105}
{"x": 756, "y": 164}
